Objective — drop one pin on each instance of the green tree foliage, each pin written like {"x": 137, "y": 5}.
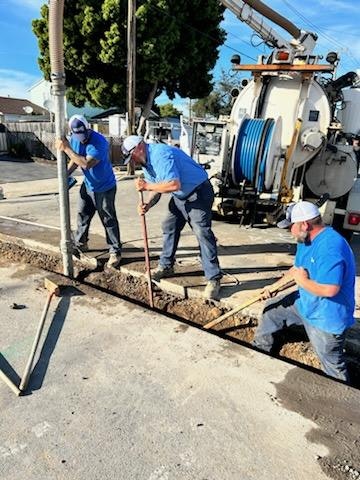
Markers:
{"x": 219, "y": 101}
{"x": 177, "y": 46}
{"x": 168, "y": 110}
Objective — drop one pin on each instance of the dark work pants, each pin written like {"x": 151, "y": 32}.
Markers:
{"x": 104, "y": 204}
{"x": 280, "y": 312}
{"x": 196, "y": 211}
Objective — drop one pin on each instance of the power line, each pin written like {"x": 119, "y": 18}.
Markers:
{"x": 322, "y": 33}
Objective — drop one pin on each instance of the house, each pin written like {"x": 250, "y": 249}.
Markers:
{"x": 21, "y": 110}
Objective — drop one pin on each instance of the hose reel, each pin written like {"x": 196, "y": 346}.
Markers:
{"x": 256, "y": 152}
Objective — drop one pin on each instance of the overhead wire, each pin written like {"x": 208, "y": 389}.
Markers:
{"x": 321, "y": 32}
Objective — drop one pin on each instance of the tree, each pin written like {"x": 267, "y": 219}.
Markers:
{"x": 168, "y": 110}
{"x": 177, "y": 46}
{"x": 207, "y": 107}
{"x": 219, "y": 102}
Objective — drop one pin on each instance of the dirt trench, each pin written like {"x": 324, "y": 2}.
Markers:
{"x": 290, "y": 344}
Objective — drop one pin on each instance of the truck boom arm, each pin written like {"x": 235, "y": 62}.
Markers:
{"x": 246, "y": 10}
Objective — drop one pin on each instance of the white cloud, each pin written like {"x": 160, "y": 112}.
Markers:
{"x": 16, "y": 83}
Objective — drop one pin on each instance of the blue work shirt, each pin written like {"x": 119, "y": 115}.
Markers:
{"x": 99, "y": 178}
{"x": 328, "y": 260}
{"x": 165, "y": 163}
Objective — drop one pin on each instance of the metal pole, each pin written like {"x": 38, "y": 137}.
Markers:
{"x": 56, "y": 12}
{"x": 27, "y": 372}
{"x": 147, "y": 255}
{"x": 131, "y": 60}
{"x": 9, "y": 383}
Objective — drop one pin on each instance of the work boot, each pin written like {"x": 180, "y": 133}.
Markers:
{"x": 114, "y": 260}
{"x": 82, "y": 247}
{"x": 161, "y": 272}
{"x": 212, "y": 289}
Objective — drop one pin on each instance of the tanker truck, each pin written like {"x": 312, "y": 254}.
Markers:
{"x": 293, "y": 132}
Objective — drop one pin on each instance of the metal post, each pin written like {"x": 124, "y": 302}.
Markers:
{"x": 56, "y": 11}
{"x": 131, "y": 59}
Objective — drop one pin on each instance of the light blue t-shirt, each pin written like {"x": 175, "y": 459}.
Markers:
{"x": 328, "y": 260}
{"x": 165, "y": 163}
{"x": 100, "y": 178}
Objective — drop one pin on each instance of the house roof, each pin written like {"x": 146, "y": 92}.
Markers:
{"x": 15, "y": 106}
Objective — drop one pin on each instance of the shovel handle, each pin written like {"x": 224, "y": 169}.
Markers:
{"x": 272, "y": 289}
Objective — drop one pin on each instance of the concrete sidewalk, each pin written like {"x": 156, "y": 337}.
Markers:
{"x": 119, "y": 392}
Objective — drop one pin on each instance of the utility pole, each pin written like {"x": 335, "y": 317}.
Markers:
{"x": 130, "y": 78}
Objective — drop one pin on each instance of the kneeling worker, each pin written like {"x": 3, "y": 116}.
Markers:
{"x": 168, "y": 169}
{"x": 324, "y": 303}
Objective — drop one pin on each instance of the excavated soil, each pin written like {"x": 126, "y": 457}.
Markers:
{"x": 290, "y": 344}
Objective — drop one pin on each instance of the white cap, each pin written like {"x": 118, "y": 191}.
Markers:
{"x": 78, "y": 122}
{"x": 129, "y": 144}
{"x": 299, "y": 212}
{"x": 79, "y": 127}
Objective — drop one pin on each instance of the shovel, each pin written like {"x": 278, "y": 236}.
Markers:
{"x": 272, "y": 289}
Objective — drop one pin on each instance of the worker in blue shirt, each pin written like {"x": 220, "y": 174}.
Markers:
{"x": 89, "y": 150}
{"x": 168, "y": 169}
{"x": 324, "y": 303}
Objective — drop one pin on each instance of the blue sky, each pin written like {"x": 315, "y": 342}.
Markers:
{"x": 335, "y": 21}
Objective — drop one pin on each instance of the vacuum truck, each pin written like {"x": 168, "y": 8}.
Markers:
{"x": 293, "y": 132}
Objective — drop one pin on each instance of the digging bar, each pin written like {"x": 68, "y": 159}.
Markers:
{"x": 272, "y": 289}
{"x": 53, "y": 289}
{"x": 9, "y": 383}
{"x": 146, "y": 252}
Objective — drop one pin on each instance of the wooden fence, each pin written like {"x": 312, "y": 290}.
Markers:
{"x": 36, "y": 140}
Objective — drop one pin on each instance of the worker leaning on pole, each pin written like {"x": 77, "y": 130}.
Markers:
{"x": 324, "y": 303}
{"x": 89, "y": 150}
{"x": 168, "y": 169}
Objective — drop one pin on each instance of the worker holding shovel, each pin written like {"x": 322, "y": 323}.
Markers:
{"x": 168, "y": 169}
{"x": 324, "y": 303}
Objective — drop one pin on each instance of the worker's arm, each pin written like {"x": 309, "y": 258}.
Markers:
{"x": 283, "y": 282}
{"x": 162, "y": 187}
{"x": 84, "y": 162}
{"x": 153, "y": 200}
{"x": 302, "y": 279}
{"x": 72, "y": 166}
